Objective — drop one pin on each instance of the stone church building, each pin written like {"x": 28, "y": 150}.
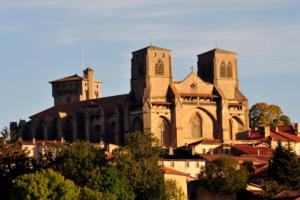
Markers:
{"x": 204, "y": 105}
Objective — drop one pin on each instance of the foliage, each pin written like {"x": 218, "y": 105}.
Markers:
{"x": 262, "y": 114}
{"x": 173, "y": 191}
{"x": 138, "y": 161}
{"x": 13, "y": 161}
{"x": 284, "y": 167}
{"x": 110, "y": 181}
{"x": 224, "y": 175}
{"x": 76, "y": 161}
{"x": 271, "y": 188}
{"x": 44, "y": 185}
{"x": 89, "y": 194}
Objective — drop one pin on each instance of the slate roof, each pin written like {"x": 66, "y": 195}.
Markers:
{"x": 108, "y": 104}
{"x": 181, "y": 154}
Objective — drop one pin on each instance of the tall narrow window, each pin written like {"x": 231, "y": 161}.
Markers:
{"x": 222, "y": 70}
{"x": 229, "y": 70}
{"x": 159, "y": 68}
{"x": 196, "y": 126}
{"x": 165, "y": 132}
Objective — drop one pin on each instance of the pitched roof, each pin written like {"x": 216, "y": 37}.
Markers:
{"x": 280, "y": 134}
{"x": 252, "y": 150}
{"x": 168, "y": 170}
{"x": 74, "y": 77}
{"x": 181, "y": 154}
{"x": 151, "y": 47}
{"x": 287, "y": 194}
{"x": 108, "y": 104}
{"x": 217, "y": 50}
{"x": 206, "y": 141}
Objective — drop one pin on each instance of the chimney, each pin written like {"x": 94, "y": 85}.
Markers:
{"x": 297, "y": 127}
{"x": 171, "y": 152}
{"x": 20, "y": 139}
{"x": 258, "y": 153}
{"x": 33, "y": 140}
{"x": 265, "y": 131}
{"x": 62, "y": 140}
{"x": 255, "y": 128}
{"x": 276, "y": 129}
{"x": 193, "y": 150}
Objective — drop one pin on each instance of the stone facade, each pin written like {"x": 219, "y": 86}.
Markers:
{"x": 206, "y": 105}
{"x": 76, "y": 88}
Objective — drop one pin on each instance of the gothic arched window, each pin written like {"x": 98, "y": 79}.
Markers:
{"x": 165, "y": 135}
{"x": 222, "y": 70}
{"x": 196, "y": 126}
{"x": 229, "y": 70}
{"x": 159, "y": 68}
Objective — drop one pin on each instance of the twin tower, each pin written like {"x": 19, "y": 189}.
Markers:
{"x": 206, "y": 105}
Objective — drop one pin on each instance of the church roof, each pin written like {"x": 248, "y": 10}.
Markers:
{"x": 108, "y": 104}
{"x": 88, "y": 69}
{"x": 74, "y": 77}
{"x": 217, "y": 50}
{"x": 151, "y": 47}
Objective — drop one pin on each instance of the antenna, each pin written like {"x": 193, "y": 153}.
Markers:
{"x": 216, "y": 43}
{"x": 82, "y": 53}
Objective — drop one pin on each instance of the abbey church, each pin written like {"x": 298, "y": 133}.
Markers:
{"x": 206, "y": 104}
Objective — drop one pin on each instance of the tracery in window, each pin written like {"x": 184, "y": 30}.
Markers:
{"x": 165, "y": 132}
{"x": 229, "y": 70}
{"x": 222, "y": 70}
{"x": 159, "y": 68}
{"x": 196, "y": 126}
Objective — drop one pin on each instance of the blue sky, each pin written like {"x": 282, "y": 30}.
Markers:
{"x": 41, "y": 41}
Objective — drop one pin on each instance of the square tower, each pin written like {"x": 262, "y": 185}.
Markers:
{"x": 151, "y": 72}
{"x": 219, "y": 67}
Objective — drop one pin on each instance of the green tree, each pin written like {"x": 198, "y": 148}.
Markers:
{"x": 44, "y": 185}
{"x": 13, "y": 161}
{"x": 224, "y": 175}
{"x": 76, "y": 161}
{"x": 262, "y": 114}
{"x": 284, "y": 167}
{"x": 111, "y": 182}
{"x": 138, "y": 161}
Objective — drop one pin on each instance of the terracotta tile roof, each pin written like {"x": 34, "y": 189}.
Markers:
{"x": 287, "y": 194}
{"x": 284, "y": 133}
{"x": 42, "y": 142}
{"x": 197, "y": 95}
{"x": 240, "y": 159}
{"x": 168, "y": 170}
{"x": 252, "y": 150}
{"x": 108, "y": 104}
{"x": 74, "y": 77}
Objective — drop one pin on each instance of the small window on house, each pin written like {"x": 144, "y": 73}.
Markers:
{"x": 203, "y": 151}
{"x": 197, "y": 164}
{"x": 172, "y": 164}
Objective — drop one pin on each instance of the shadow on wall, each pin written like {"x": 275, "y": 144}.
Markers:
{"x": 242, "y": 135}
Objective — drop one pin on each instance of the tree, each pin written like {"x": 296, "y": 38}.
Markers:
{"x": 44, "y": 185}
{"x": 138, "y": 160}
{"x": 76, "y": 161}
{"x": 262, "y": 114}
{"x": 13, "y": 161}
{"x": 110, "y": 182}
{"x": 284, "y": 167}
{"x": 224, "y": 175}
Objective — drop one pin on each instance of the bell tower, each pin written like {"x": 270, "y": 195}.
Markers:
{"x": 220, "y": 68}
{"x": 151, "y": 72}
